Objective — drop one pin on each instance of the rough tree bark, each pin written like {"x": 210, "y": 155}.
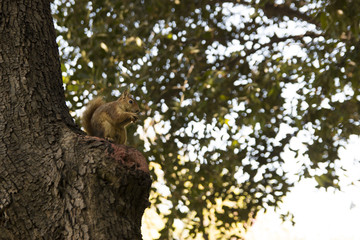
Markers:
{"x": 56, "y": 182}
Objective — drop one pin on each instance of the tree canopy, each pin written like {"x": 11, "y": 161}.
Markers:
{"x": 226, "y": 88}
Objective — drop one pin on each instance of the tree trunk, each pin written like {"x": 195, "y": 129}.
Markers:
{"x": 56, "y": 182}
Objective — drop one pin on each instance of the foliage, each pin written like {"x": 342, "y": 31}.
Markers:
{"x": 225, "y": 96}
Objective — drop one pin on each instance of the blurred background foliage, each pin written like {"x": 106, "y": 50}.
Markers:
{"x": 230, "y": 92}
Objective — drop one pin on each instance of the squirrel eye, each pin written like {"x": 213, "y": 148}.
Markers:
{"x": 131, "y": 101}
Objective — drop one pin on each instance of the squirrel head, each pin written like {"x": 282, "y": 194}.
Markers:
{"x": 128, "y": 103}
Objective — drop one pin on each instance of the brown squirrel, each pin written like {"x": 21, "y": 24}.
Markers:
{"x": 109, "y": 120}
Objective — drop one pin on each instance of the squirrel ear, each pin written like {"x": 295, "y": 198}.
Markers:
{"x": 125, "y": 93}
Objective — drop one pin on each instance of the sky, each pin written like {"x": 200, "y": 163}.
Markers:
{"x": 319, "y": 214}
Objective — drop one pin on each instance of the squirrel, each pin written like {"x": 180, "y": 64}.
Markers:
{"x": 109, "y": 120}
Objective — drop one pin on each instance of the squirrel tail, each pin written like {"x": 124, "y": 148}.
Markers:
{"x": 88, "y": 113}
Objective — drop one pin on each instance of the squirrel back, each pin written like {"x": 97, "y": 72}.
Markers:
{"x": 88, "y": 113}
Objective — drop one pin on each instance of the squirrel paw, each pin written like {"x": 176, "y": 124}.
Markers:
{"x": 134, "y": 117}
